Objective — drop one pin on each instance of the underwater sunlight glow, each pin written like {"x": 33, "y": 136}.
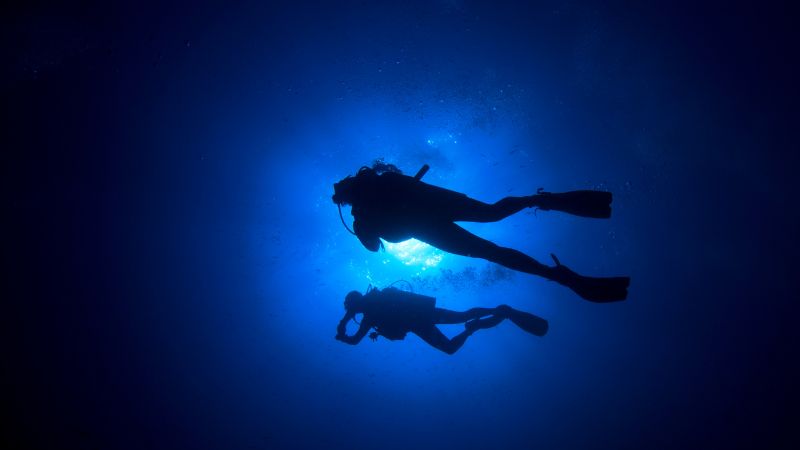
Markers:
{"x": 415, "y": 253}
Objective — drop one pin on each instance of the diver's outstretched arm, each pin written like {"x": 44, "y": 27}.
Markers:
{"x": 341, "y": 329}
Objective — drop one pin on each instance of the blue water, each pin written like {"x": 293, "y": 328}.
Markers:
{"x": 179, "y": 268}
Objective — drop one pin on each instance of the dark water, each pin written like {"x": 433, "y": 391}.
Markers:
{"x": 175, "y": 268}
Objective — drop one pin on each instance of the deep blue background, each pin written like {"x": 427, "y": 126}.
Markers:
{"x": 175, "y": 269}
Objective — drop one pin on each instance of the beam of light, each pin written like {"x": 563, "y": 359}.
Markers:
{"x": 415, "y": 253}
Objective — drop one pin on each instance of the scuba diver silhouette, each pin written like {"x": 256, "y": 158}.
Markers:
{"x": 393, "y": 313}
{"x": 395, "y": 207}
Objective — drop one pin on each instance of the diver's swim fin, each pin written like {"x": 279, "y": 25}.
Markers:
{"x": 594, "y": 204}
{"x": 601, "y": 290}
{"x": 532, "y": 324}
{"x": 594, "y": 289}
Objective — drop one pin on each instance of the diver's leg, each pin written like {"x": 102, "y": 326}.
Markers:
{"x": 454, "y": 239}
{"x": 595, "y": 204}
{"x": 447, "y": 316}
{"x": 465, "y": 209}
{"x": 435, "y": 338}
{"x": 482, "y": 324}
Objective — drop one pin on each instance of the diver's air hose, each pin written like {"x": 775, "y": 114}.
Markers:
{"x": 342, "y": 217}
{"x": 410, "y": 287}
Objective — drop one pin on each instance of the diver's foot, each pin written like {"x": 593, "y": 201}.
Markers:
{"x": 601, "y": 290}
{"x": 594, "y": 289}
{"x": 528, "y": 322}
{"x": 540, "y": 200}
{"x": 472, "y": 325}
{"x": 504, "y": 311}
{"x": 592, "y": 204}
{"x": 484, "y": 323}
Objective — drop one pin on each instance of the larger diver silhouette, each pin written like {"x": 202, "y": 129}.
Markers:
{"x": 393, "y": 313}
{"x": 389, "y": 205}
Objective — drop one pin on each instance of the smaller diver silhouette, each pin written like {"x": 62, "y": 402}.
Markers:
{"x": 393, "y": 313}
{"x": 389, "y": 205}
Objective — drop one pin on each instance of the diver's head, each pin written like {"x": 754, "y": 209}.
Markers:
{"x": 344, "y": 191}
{"x": 350, "y": 189}
{"x": 354, "y": 301}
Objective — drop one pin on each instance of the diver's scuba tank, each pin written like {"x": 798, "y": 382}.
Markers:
{"x": 422, "y": 171}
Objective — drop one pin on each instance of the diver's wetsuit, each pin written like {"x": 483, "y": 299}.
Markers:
{"x": 397, "y": 207}
{"x": 393, "y": 313}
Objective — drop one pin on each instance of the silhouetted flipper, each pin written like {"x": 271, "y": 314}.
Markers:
{"x": 595, "y": 204}
{"x": 595, "y": 289}
{"x": 532, "y": 324}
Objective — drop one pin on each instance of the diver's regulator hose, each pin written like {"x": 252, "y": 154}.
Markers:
{"x": 342, "y": 217}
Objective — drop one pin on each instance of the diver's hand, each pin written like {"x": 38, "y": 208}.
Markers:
{"x": 368, "y": 236}
{"x": 371, "y": 244}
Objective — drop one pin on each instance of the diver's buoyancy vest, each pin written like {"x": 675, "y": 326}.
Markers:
{"x": 393, "y": 201}
{"x": 394, "y": 312}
